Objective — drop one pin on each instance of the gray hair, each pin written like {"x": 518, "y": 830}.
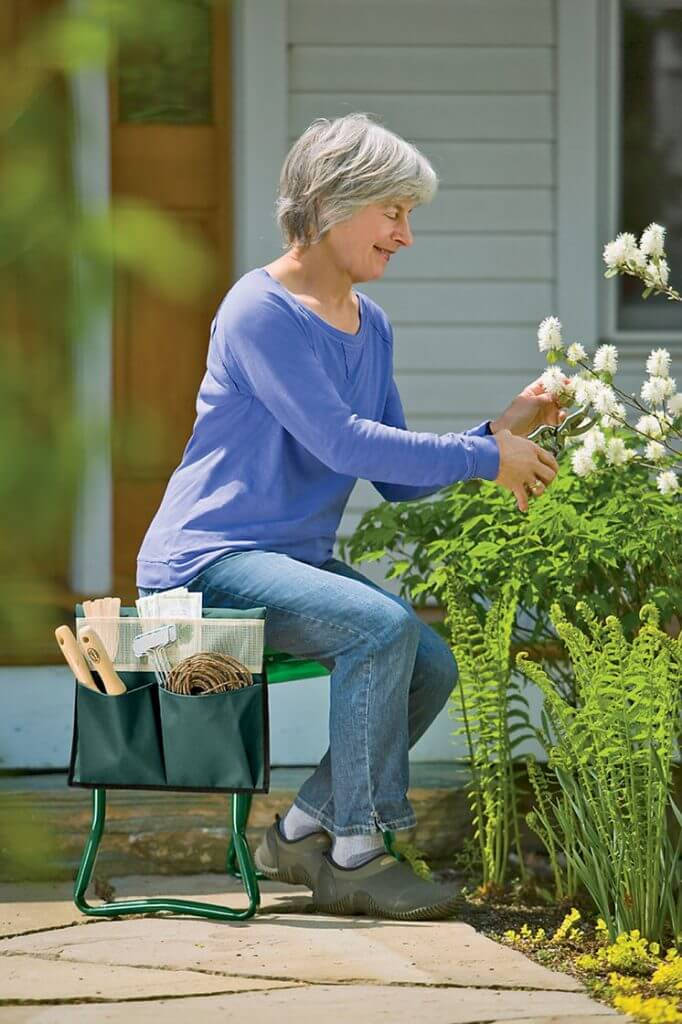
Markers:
{"x": 336, "y": 167}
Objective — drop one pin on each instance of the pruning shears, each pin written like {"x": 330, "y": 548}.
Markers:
{"x": 553, "y": 438}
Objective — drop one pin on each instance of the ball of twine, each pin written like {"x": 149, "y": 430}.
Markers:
{"x": 209, "y": 673}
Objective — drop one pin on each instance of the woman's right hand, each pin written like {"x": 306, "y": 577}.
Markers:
{"x": 524, "y": 463}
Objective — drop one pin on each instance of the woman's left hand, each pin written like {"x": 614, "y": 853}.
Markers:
{"x": 530, "y": 410}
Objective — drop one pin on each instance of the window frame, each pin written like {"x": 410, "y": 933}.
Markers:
{"x": 632, "y": 341}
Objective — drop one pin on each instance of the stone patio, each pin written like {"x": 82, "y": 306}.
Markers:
{"x": 286, "y": 963}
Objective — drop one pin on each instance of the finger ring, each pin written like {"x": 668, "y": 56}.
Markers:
{"x": 536, "y": 485}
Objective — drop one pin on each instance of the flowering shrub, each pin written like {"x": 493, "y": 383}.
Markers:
{"x": 608, "y": 539}
{"x": 593, "y": 388}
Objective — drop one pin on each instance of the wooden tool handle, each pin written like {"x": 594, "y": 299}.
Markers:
{"x": 97, "y": 653}
{"x": 74, "y": 657}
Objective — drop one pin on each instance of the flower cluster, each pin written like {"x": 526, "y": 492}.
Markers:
{"x": 630, "y": 953}
{"x": 592, "y": 389}
{"x": 566, "y": 932}
{"x": 658, "y": 1010}
{"x": 526, "y": 937}
{"x": 668, "y": 977}
{"x": 645, "y": 260}
{"x": 631, "y": 973}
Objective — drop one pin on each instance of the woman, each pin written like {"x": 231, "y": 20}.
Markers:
{"x": 297, "y": 402}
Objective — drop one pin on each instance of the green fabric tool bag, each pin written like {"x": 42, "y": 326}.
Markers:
{"x": 153, "y": 738}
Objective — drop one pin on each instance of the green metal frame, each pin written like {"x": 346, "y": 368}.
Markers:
{"x": 239, "y": 862}
{"x": 239, "y": 850}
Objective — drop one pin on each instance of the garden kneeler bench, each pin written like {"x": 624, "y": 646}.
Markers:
{"x": 155, "y": 739}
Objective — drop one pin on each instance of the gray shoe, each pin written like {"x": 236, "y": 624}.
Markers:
{"x": 382, "y": 887}
{"x": 295, "y": 861}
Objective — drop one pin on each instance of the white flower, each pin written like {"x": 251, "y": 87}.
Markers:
{"x": 617, "y": 417}
{"x": 653, "y": 239}
{"x": 658, "y": 274}
{"x": 655, "y": 451}
{"x": 602, "y": 397}
{"x": 675, "y": 404}
{"x": 639, "y": 260}
{"x": 656, "y": 389}
{"x": 581, "y": 389}
{"x": 575, "y": 351}
{"x": 553, "y": 381}
{"x": 654, "y": 426}
{"x": 624, "y": 248}
{"x": 583, "y": 462}
{"x": 616, "y": 452}
{"x": 549, "y": 334}
{"x": 667, "y": 482}
{"x": 606, "y": 359}
{"x": 658, "y": 363}
{"x": 649, "y": 425}
{"x": 594, "y": 440}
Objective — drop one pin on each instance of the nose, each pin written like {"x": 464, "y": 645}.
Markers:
{"x": 404, "y": 233}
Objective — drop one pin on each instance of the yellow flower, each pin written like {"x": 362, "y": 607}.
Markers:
{"x": 621, "y": 983}
{"x": 587, "y": 962}
{"x": 668, "y": 977}
{"x": 653, "y": 1011}
{"x": 565, "y": 931}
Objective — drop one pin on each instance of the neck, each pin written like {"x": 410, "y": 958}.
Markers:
{"x": 318, "y": 275}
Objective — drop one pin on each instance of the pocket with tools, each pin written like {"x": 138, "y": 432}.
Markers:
{"x": 180, "y": 720}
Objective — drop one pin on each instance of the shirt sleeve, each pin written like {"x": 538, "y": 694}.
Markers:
{"x": 270, "y": 355}
{"x": 394, "y": 416}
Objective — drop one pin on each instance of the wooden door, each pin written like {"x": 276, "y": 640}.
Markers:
{"x": 170, "y": 145}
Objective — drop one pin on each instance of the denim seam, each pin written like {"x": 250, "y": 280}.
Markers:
{"x": 370, "y": 793}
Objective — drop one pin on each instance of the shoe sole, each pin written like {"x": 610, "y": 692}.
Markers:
{"x": 362, "y": 903}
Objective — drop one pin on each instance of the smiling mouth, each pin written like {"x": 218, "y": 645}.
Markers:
{"x": 386, "y": 253}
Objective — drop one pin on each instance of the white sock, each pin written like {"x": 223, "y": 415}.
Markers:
{"x": 296, "y": 823}
{"x": 352, "y": 851}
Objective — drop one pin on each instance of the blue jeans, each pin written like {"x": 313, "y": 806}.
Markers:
{"x": 390, "y": 676}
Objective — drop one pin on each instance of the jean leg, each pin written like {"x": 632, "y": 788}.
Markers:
{"x": 372, "y": 642}
{"x": 433, "y": 679}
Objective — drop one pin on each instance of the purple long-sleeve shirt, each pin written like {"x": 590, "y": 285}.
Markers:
{"x": 290, "y": 412}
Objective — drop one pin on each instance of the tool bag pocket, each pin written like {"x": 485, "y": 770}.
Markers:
{"x": 154, "y": 738}
{"x": 215, "y": 740}
{"x": 117, "y": 740}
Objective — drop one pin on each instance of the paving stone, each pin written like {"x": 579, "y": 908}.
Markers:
{"x": 32, "y": 907}
{"x": 28, "y": 977}
{"x": 315, "y": 948}
{"x": 371, "y": 1004}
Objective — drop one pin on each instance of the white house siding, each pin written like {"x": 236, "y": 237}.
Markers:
{"x": 471, "y": 83}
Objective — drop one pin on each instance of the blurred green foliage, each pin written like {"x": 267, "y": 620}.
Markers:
{"x": 58, "y": 256}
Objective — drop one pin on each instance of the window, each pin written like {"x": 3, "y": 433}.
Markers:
{"x": 647, "y": 151}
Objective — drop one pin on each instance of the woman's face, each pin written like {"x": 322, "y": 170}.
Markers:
{"x": 355, "y": 243}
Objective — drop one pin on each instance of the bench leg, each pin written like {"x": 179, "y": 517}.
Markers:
{"x": 232, "y": 867}
{"x": 212, "y": 911}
